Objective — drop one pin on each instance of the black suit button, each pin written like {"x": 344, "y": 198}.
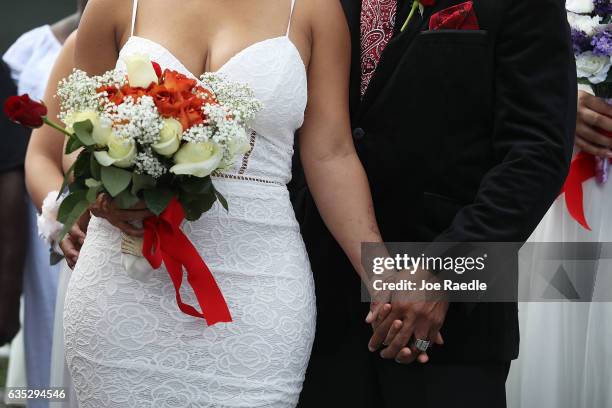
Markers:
{"x": 358, "y": 133}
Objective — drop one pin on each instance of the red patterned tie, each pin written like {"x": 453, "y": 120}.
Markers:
{"x": 377, "y": 22}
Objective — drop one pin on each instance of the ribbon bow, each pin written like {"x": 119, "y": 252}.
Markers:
{"x": 581, "y": 170}
{"x": 164, "y": 242}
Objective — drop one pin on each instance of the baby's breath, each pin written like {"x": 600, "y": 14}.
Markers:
{"x": 138, "y": 120}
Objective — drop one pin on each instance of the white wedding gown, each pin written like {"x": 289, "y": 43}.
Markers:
{"x": 128, "y": 344}
{"x": 565, "y": 355}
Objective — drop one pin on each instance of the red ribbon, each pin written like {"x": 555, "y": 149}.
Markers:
{"x": 581, "y": 170}
{"x": 164, "y": 241}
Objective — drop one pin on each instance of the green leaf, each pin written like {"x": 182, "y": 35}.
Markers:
{"x": 69, "y": 203}
{"x": 142, "y": 182}
{"x": 73, "y": 145}
{"x": 115, "y": 179}
{"x": 71, "y": 209}
{"x": 66, "y": 180}
{"x": 157, "y": 200}
{"x": 126, "y": 200}
{"x": 83, "y": 131}
{"x": 197, "y": 185}
{"x": 222, "y": 200}
{"x": 92, "y": 194}
{"x": 94, "y": 168}
{"x": 196, "y": 204}
{"x": 81, "y": 165}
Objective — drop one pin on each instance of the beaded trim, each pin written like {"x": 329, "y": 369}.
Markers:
{"x": 246, "y": 178}
{"x": 247, "y": 155}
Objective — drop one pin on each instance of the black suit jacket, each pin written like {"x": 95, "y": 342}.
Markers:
{"x": 466, "y": 136}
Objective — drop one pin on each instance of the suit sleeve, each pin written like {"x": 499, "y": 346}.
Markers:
{"x": 534, "y": 125}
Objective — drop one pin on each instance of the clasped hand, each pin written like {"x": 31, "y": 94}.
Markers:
{"x": 106, "y": 208}
{"x": 397, "y": 320}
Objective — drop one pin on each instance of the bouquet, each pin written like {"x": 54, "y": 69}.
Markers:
{"x": 591, "y": 26}
{"x": 153, "y": 136}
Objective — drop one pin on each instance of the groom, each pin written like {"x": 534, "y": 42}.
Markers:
{"x": 464, "y": 122}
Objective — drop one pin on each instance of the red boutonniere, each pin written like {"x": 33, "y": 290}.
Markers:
{"x": 420, "y": 5}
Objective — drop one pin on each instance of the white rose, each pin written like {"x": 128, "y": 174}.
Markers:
{"x": 169, "y": 138}
{"x": 593, "y": 67}
{"x": 140, "y": 71}
{"x": 121, "y": 153}
{"x": 101, "y": 129}
{"x": 587, "y": 24}
{"x": 580, "y": 6}
{"x": 239, "y": 144}
{"x": 197, "y": 159}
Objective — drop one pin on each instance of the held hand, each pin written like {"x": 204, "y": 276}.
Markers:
{"x": 594, "y": 115}
{"x": 105, "y": 207}
{"x": 405, "y": 320}
{"x": 74, "y": 240}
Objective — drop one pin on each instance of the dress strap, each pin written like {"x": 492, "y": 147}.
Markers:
{"x": 134, "y": 12}
{"x": 290, "y": 17}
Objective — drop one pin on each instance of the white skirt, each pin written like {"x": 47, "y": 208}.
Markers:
{"x": 566, "y": 353}
{"x": 128, "y": 344}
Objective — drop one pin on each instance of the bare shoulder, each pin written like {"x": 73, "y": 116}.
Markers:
{"x": 326, "y": 16}
{"x": 103, "y": 25}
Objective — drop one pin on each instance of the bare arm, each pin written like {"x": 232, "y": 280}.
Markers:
{"x": 333, "y": 171}
{"x": 97, "y": 44}
{"x": 43, "y": 165}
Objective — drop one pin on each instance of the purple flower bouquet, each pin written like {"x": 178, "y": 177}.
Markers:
{"x": 591, "y": 24}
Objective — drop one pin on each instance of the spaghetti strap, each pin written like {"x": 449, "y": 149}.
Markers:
{"x": 134, "y": 11}
{"x": 290, "y": 17}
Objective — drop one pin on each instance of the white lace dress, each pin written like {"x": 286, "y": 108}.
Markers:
{"x": 128, "y": 344}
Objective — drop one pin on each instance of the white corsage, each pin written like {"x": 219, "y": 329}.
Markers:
{"x": 49, "y": 229}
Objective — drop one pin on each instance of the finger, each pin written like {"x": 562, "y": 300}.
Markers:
{"x": 423, "y": 358}
{"x": 405, "y": 356}
{"x": 395, "y": 328}
{"x": 70, "y": 252}
{"x": 595, "y": 119}
{"x": 593, "y": 136}
{"x": 374, "y": 307}
{"x": 380, "y": 333}
{"x": 594, "y": 103}
{"x": 400, "y": 341}
{"x": 591, "y": 148}
{"x": 379, "y": 312}
{"x": 77, "y": 235}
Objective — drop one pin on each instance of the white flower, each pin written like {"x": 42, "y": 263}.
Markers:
{"x": 586, "y": 24}
{"x": 121, "y": 153}
{"x": 101, "y": 128}
{"x": 580, "y": 6}
{"x": 197, "y": 159}
{"x": 140, "y": 71}
{"x": 239, "y": 143}
{"x": 169, "y": 138}
{"x": 138, "y": 120}
{"x": 593, "y": 67}
{"x": 49, "y": 228}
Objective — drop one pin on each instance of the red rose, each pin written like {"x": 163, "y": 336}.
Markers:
{"x": 25, "y": 111}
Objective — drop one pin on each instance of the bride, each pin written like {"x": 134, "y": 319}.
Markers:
{"x": 127, "y": 343}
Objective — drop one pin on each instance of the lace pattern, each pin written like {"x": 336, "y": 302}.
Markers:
{"x": 127, "y": 343}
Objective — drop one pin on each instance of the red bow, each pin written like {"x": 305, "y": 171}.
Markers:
{"x": 164, "y": 241}
{"x": 581, "y": 170}
{"x": 459, "y": 17}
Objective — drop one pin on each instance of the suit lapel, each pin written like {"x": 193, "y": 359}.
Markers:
{"x": 352, "y": 10}
{"x": 391, "y": 55}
